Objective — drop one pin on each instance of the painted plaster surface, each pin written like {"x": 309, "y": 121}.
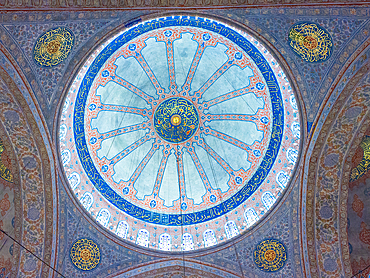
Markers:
{"x": 26, "y": 35}
{"x": 328, "y": 239}
{"x": 7, "y": 210}
{"x": 149, "y": 4}
{"x": 320, "y": 84}
{"x": 358, "y": 209}
{"x": 119, "y": 260}
{"x": 16, "y": 126}
{"x": 348, "y": 30}
{"x": 237, "y": 142}
{"x": 175, "y": 268}
{"x": 315, "y": 80}
{"x": 33, "y": 219}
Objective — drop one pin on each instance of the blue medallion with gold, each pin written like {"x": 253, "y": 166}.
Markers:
{"x": 85, "y": 254}
{"x": 310, "y": 42}
{"x": 176, "y": 120}
{"x": 270, "y": 255}
{"x": 53, "y": 47}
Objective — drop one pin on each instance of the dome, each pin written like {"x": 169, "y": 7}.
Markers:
{"x": 179, "y": 133}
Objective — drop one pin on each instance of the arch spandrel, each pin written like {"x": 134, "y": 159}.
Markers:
{"x": 328, "y": 173}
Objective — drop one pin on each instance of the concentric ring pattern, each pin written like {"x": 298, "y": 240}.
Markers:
{"x": 179, "y": 133}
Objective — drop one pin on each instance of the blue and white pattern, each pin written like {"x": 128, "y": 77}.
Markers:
{"x": 122, "y": 229}
{"x": 268, "y": 199}
{"x": 187, "y": 242}
{"x": 165, "y": 242}
{"x": 74, "y": 180}
{"x": 63, "y": 131}
{"x": 103, "y": 217}
{"x": 296, "y": 129}
{"x": 231, "y": 229}
{"x": 293, "y": 102}
{"x": 209, "y": 238}
{"x": 292, "y": 155}
{"x": 87, "y": 200}
{"x": 143, "y": 238}
{"x": 250, "y": 216}
{"x": 282, "y": 179}
{"x": 66, "y": 156}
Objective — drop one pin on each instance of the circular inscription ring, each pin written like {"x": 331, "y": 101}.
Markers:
{"x": 176, "y": 120}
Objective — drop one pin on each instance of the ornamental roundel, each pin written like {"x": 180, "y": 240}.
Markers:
{"x": 176, "y": 120}
{"x": 179, "y": 122}
{"x": 85, "y": 254}
{"x": 270, "y": 255}
{"x": 311, "y": 42}
{"x": 53, "y": 47}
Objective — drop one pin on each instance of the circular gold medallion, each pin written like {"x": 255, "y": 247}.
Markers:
{"x": 53, "y": 47}
{"x": 270, "y": 255}
{"x": 85, "y": 254}
{"x": 176, "y": 120}
{"x": 310, "y": 41}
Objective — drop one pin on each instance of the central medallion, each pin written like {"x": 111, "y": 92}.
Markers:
{"x": 176, "y": 120}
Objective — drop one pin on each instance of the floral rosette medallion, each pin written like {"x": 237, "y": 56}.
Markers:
{"x": 179, "y": 133}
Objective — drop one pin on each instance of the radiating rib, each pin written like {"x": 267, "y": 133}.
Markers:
{"x": 237, "y": 117}
{"x": 200, "y": 169}
{"x": 220, "y": 71}
{"x": 216, "y": 157}
{"x": 171, "y": 67}
{"x": 229, "y": 139}
{"x": 189, "y": 79}
{"x": 139, "y": 57}
{"x": 143, "y": 163}
{"x": 130, "y": 149}
{"x": 180, "y": 173}
{"x": 160, "y": 173}
{"x": 120, "y": 108}
{"x": 123, "y": 130}
{"x": 224, "y": 97}
{"x": 149, "y": 99}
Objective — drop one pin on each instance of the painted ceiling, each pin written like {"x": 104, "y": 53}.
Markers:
{"x": 145, "y": 142}
{"x": 183, "y": 137}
